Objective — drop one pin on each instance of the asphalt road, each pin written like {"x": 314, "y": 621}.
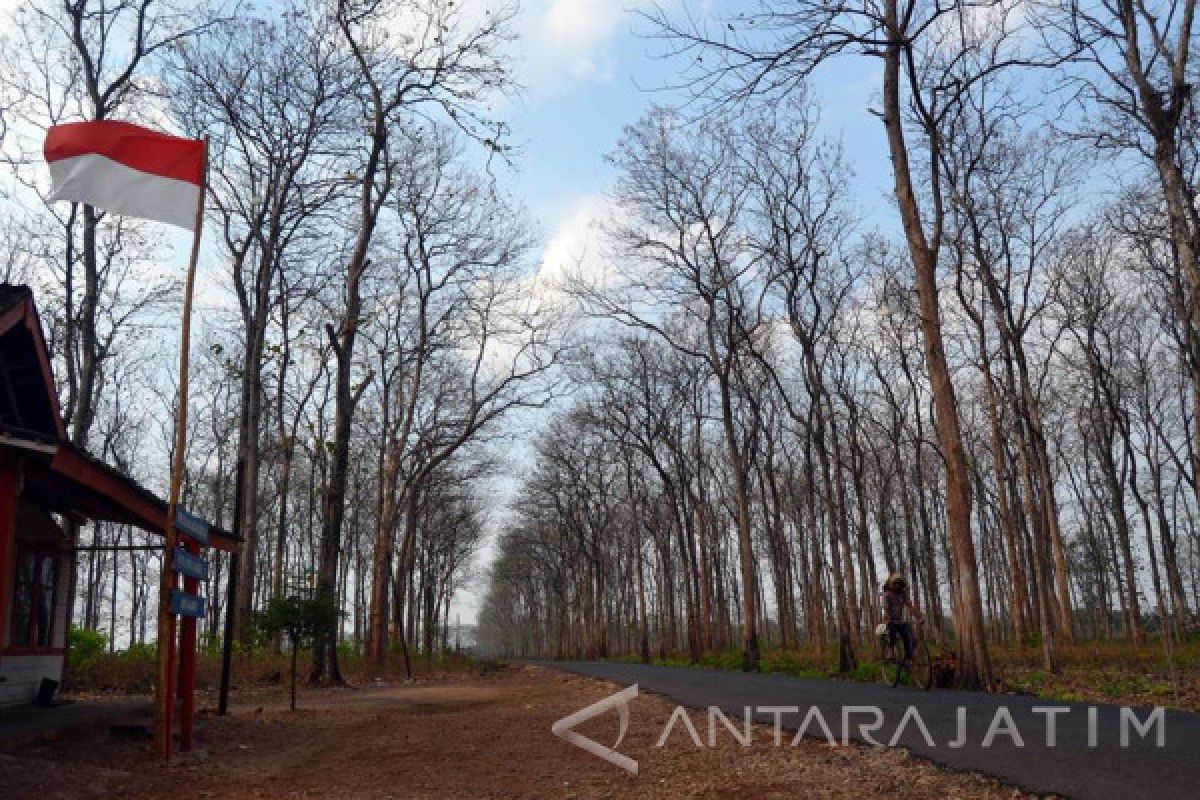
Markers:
{"x": 1074, "y": 767}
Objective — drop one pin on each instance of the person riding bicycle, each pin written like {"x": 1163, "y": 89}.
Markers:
{"x": 895, "y": 603}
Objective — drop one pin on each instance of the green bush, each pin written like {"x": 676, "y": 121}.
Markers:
{"x": 789, "y": 662}
{"x": 673, "y": 661}
{"x": 84, "y": 647}
{"x": 728, "y": 659}
{"x": 139, "y": 653}
{"x": 1035, "y": 678}
{"x": 866, "y": 671}
{"x": 211, "y": 643}
{"x": 257, "y": 632}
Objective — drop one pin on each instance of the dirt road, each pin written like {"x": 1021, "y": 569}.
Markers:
{"x": 473, "y": 736}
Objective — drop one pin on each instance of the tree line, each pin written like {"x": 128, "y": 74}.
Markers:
{"x": 368, "y": 325}
{"x": 765, "y": 405}
{"x": 997, "y": 398}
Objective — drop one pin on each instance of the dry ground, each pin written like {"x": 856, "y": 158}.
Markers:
{"x": 485, "y": 735}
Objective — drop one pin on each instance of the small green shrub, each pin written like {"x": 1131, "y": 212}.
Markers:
{"x": 865, "y": 671}
{"x": 139, "y": 652}
{"x": 673, "y": 661}
{"x": 1035, "y": 678}
{"x": 301, "y": 619}
{"x": 789, "y": 662}
{"x": 84, "y": 647}
{"x": 721, "y": 660}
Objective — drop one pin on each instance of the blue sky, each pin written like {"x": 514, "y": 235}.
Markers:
{"x": 587, "y": 73}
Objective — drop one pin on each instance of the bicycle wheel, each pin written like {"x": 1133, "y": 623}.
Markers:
{"x": 921, "y": 668}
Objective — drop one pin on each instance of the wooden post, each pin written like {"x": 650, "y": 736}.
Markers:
{"x": 164, "y": 685}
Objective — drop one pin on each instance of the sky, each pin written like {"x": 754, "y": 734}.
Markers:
{"x": 587, "y": 70}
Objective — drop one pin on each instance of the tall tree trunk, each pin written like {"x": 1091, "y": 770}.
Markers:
{"x": 1008, "y": 527}
{"x": 750, "y": 653}
{"x": 325, "y": 663}
{"x": 248, "y": 449}
{"x": 975, "y": 663}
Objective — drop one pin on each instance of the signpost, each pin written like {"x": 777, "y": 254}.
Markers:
{"x": 191, "y": 526}
{"x": 186, "y": 605}
{"x": 189, "y": 565}
{"x": 192, "y": 609}
{"x": 189, "y": 606}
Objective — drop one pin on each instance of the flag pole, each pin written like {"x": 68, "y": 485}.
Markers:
{"x": 165, "y": 684}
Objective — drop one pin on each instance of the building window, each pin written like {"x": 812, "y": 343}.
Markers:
{"x": 33, "y": 598}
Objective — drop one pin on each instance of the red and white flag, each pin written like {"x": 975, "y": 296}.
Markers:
{"x": 127, "y": 169}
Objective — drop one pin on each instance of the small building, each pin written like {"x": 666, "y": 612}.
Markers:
{"x": 45, "y": 484}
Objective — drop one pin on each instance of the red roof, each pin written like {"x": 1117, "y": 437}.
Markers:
{"x": 58, "y": 475}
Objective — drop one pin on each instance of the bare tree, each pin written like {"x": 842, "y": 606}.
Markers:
{"x": 271, "y": 96}
{"x": 686, "y": 275}
{"x": 469, "y": 349}
{"x": 446, "y": 65}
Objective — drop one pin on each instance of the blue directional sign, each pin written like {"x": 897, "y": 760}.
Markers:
{"x": 191, "y": 526}
{"x": 187, "y": 564}
{"x": 186, "y": 605}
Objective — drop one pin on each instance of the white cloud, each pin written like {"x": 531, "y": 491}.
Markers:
{"x": 567, "y": 41}
{"x": 579, "y": 24}
{"x": 576, "y": 249}
{"x": 1006, "y": 24}
{"x": 559, "y": 43}
{"x": 7, "y": 9}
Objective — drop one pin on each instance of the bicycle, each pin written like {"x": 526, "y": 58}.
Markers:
{"x": 893, "y": 665}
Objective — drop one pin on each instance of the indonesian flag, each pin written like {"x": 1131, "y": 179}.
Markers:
{"x": 127, "y": 169}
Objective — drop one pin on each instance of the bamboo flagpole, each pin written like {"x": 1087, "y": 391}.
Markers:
{"x": 165, "y": 684}
{"x": 135, "y": 171}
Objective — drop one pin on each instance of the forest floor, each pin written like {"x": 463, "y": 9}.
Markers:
{"x": 478, "y": 734}
{"x": 1109, "y": 672}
